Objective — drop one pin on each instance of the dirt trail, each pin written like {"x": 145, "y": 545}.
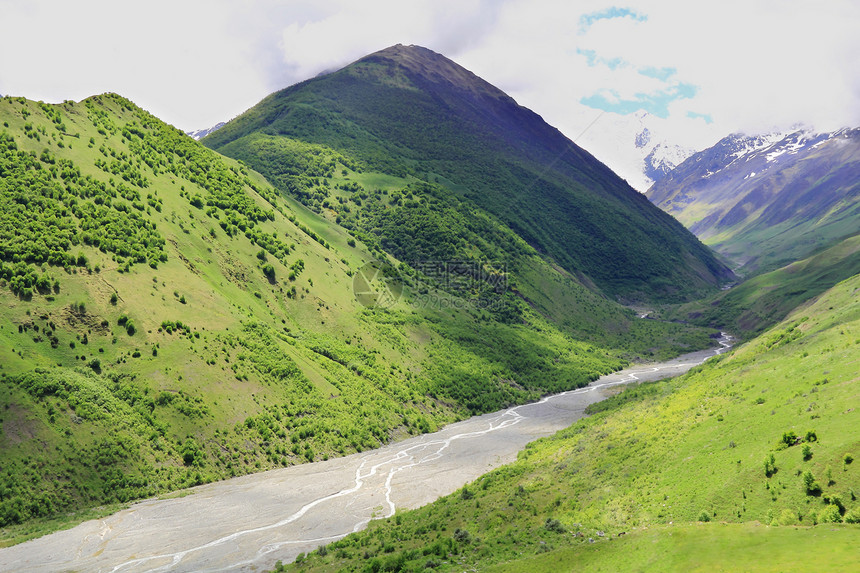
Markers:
{"x": 248, "y": 523}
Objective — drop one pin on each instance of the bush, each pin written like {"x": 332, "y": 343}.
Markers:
{"x": 810, "y": 485}
{"x": 830, "y": 514}
{"x": 269, "y": 271}
{"x": 462, "y": 536}
{"x": 769, "y": 465}
{"x": 788, "y": 517}
{"x": 807, "y": 452}
{"x": 847, "y": 459}
{"x": 704, "y": 516}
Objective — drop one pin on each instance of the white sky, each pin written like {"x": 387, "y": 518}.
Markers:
{"x": 709, "y": 68}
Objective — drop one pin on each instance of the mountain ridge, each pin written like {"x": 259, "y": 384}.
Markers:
{"x": 767, "y": 200}
{"x": 391, "y": 111}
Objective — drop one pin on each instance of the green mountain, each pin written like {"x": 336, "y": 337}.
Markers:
{"x": 168, "y": 318}
{"x": 766, "y": 201}
{"x": 408, "y": 112}
{"x": 765, "y": 299}
{"x": 749, "y": 459}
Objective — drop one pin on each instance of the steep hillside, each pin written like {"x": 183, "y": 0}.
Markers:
{"x": 766, "y": 201}
{"x": 680, "y": 474}
{"x": 762, "y": 301}
{"x": 409, "y": 112}
{"x": 167, "y": 318}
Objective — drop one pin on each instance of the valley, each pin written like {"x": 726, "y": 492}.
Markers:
{"x": 251, "y": 522}
{"x": 389, "y": 319}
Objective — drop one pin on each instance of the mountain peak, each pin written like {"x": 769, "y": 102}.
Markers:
{"x": 420, "y": 62}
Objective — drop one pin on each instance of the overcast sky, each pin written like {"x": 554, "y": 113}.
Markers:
{"x": 707, "y": 69}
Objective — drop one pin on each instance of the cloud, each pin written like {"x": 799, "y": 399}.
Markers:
{"x": 656, "y": 103}
{"x": 587, "y": 20}
{"x": 172, "y": 58}
{"x": 350, "y": 30}
{"x": 747, "y": 64}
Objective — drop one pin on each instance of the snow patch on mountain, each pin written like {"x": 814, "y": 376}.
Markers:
{"x": 635, "y": 146}
{"x": 762, "y": 151}
{"x": 201, "y": 133}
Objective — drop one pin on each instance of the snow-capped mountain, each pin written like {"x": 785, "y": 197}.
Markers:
{"x": 635, "y": 146}
{"x": 765, "y": 198}
{"x": 201, "y": 133}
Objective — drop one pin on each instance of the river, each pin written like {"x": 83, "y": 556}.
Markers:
{"x": 250, "y": 522}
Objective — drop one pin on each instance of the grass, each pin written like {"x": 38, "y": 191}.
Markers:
{"x": 227, "y": 370}
{"x": 763, "y": 300}
{"x": 724, "y": 444}
{"x": 704, "y": 547}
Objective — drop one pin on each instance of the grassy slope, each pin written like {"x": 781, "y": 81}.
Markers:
{"x": 416, "y": 221}
{"x": 226, "y": 371}
{"x": 704, "y": 548}
{"x": 765, "y": 299}
{"x": 406, "y": 110}
{"x": 688, "y": 450}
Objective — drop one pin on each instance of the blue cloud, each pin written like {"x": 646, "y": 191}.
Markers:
{"x": 592, "y": 59}
{"x": 586, "y": 20}
{"x": 656, "y": 103}
{"x": 662, "y": 74}
{"x": 706, "y": 116}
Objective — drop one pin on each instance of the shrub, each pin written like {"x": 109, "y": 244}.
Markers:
{"x": 269, "y": 271}
{"x": 462, "y": 536}
{"x": 847, "y": 459}
{"x": 807, "y": 452}
{"x": 830, "y": 514}
{"x": 704, "y": 516}
{"x": 788, "y": 517}
{"x": 553, "y": 525}
{"x": 810, "y": 485}
{"x": 769, "y": 465}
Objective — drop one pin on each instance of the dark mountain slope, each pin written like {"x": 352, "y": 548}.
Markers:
{"x": 409, "y": 111}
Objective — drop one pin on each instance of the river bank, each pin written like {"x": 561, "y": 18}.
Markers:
{"x": 249, "y": 523}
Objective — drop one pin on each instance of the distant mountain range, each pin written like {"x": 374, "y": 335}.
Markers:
{"x": 767, "y": 200}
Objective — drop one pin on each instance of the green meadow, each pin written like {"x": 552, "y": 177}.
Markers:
{"x": 745, "y": 463}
